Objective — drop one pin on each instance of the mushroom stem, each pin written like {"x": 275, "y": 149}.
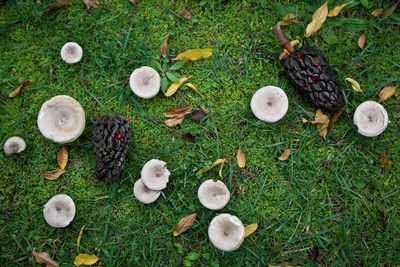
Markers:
{"x": 282, "y": 39}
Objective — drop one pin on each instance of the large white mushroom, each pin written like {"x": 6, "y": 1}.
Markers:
{"x": 143, "y": 194}
{"x": 213, "y": 195}
{"x": 61, "y": 119}
{"x": 59, "y": 211}
{"x": 226, "y": 232}
{"x": 71, "y": 52}
{"x": 269, "y": 103}
{"x": 14, "y": 144}
{"x": 145, "y": 82}
{"x": 155, "y": 174}
{"x": 371, "y": 118}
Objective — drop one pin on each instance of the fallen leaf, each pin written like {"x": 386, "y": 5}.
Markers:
{"x": 184, "y": 224}
{"x": 356, "y": 86}
{"x": 191, "y": 86}
{"x": 286, "y": 53}
{"x": 241, "y": 158}
{"x": 220, "y": 169}
{"x": 78, "y": 240}
{"x": 206, "y": 169}
{"x": 318, "y": 19}
{"x": 385, "y": 12}
{"x": 285, "y": 155}
{"x": 335, "y": 118}
{"x": 386, "y": 93}
{"x": 178, "y": 112}
{"x": 198, "y": 115}
{"x": 62, "y": 158}
{"x": 85, "y": 259}
{"x": 184, "y": 12}
{"x": 91, "y": 3}
{"x": 336, "y": 10}
{"x": 174, "y": 121}
{"x": 322, "y": 123}
{"x": 134, "y": 1}
{"x": 164, "y": 46}
{"x": 385, "y": 161}
{"x": 249, "y": 229}
{"x": 195, "y": 54}
{"x": 53, "y": 175}
{"x": 20, "y": 89}
{"x": 57, "y": 5}
{"x": 289, "y": 19}
{"x": 175, "y": 86}
{"x": 313, "y": 254}
{"x": 44, "y": 258}
{"x": 361, "y": 40}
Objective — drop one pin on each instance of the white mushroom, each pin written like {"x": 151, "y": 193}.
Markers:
{"x": 371, "y": 118}
{"x": 213, "y": 195}
{"x": 14, "y": 144}
{"x": 71, "y": 53}
{"x": 59, "y": 211}
{"x": 226, "y": 232}
{"x": 143, "y": 194}
{"x": 61, "y": 119}
{"x": 145, "y": 82}
{"x": 269, "y": 103}
{"x": 155, "y": 174}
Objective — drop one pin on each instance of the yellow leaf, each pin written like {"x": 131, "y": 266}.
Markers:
{"x": 336, "y": 10}
{"x": 386, "y": 93}
{"x": 195, "y": 54}
{"x": 191, "y": 86}
{"x": 178, "y": 112}
{"x": 318, "y": 19}
{"x": 164, "y": 46}
{"x": 249, "y": 229}
{"x": 53, "y": 175}
{"x": 220, "y": 169}
{"x": 20, "y": 89}
{"x": 377, "y": 12}
{"x": 286, "y": 53}
{"x": 78, "y": 240}
{"x": 206, "y": 169}
{"x": 85, "y": 259}
{"x": 241, "y": 158}
{"x": 288, "y": 19}
{"x": 385, "y": 12}
{"x": 356, "y": 86}
{"x": 322, "y": 123}
{"x": 174, "y": 121}
{"x": 62, "y": 158}
{"x": 285, "y": 155}
{"x": 175, "y": 86}
{"x": 44, "y": 258}
{"x": 184, "y": 224}
{"x": 361, "y": 40}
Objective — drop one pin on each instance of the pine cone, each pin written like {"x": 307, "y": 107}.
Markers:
{"x": 111, "y": 135}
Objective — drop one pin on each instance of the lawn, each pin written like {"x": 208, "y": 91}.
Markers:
{"x": 330, "y": 203}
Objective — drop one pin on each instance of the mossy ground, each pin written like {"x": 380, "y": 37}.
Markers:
{"x": 330, "y": 194}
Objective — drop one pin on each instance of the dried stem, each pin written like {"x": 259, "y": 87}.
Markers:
{"x": 282, "y": 39}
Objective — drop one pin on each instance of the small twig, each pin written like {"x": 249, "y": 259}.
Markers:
{"x": 282, "y": 39}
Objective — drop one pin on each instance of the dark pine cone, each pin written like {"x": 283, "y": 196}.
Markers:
{"x": 111, "y": 135}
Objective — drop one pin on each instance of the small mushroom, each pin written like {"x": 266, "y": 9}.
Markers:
{"x": 14, "y": 144}
{"x": 145, "y": 82}
{"x": 371, "y": 118}
{"x": 213, "y": 195}
{"x": 71, "y": 53}
{"x": 226, "y": 232}
{"x": 59, "y": 211}
{"x": 143, "y": 194}
{"x": 269, "y": 103}
{"x": 61, "y": 119}
{"x": 155, "y": 174}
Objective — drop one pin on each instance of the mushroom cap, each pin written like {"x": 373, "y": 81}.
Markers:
{"x": 213, "y": 195}
{"x": 226, "y": 232}
{"x": 371, "y": 118}
{"x": 143, "y": 194}
{"x": 269, "y": 103}
{"x": 14, "y": 144}
{"x": 59, "y": 211}
{"x": 71, "y": 52}
{"x": 145, "y": 82}
{"x": 155, "y": 175}
{"x": 61, "y": 119}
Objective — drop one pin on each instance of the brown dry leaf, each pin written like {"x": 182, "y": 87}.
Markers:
{"x": 336, "y": 10}
{"x": 194, "y": 54}
{"x": 361, "y": 40}
{"x": 53, "y": 175}
{"x": 249, "y": 229}
{"x": 241, "y": 158}
{"x": 174, "y": 121}
{"x": 322, "y": 123}
{"x": 164, "y": 46}
{"x": 285, "y": 155}
{"x": 335, "y": 118}
{"x": 78, "y": 240}
{"x": 191, "y": 86}
{"x": 206, "y": 169}
{"x": 85, "y": 259}
{"x": 62, "y": 158}
{"x": 44, "y": 258}
{"x": 385, "y": 161}
{"x": 57, "y": 5}
{"x": 134, "y": 1}
{"x": 178, "y": 112}
{"x": 184, "y": 224}
{"x": 184, "y": 12}
{"x": 385, "y": 12}
{"x": 286, "y": 53}
{"x": 386, "y": 93}
{"x": 91, "y": 3}
{"x": 20, "y": 89}
{"x": 175, "y": 86}
{"x": 356, "y": 86}
{"x": 318, "y": 19}
{"x": 289, "y": 19}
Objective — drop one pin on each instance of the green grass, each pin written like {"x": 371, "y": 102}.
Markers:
{"x": 330, "y": 194}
